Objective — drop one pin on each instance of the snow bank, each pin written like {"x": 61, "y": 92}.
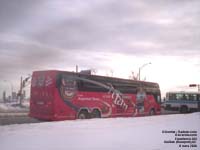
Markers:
{"x": 141, "y": 133}
{"x": 13, "y": 107}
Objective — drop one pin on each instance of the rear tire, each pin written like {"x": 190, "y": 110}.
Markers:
{"x": 83, "y": 114}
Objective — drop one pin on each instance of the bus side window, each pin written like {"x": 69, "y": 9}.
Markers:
{"x": 193, "y": 97}
{"x": 198, "y": 97}
{"x": 186, "y": 97}
{"x": 179, "y": 96}
{"x": 80, "y": 83}
{"x": 171, "y": 96}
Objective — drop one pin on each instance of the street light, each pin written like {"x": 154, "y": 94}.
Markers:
{"x": 140, "y": 68}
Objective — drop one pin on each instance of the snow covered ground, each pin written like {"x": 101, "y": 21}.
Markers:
{"x": 141, "y": 133}
{"x": 14, "y": 107}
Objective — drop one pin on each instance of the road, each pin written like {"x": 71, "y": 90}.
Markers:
{"x": 22, "y": 117}
{"x": 16, "y": 118}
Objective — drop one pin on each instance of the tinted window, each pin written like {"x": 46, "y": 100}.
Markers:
{"x": 193, "y": 97}
{"x": 182, "y": 96}
{"x": 172, "y": 96}
{"x": 89, "y": 86}
{"x": 102, "y": 84}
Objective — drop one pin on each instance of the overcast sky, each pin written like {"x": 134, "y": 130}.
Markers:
{"x": 104, "y": 35}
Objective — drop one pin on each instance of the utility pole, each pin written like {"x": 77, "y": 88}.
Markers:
{"x": 22, "y": 85}
{"x": 20, "y": 92}
{"x": 76, "y": 68}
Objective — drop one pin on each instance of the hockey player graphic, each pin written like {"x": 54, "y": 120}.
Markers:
{"x": 140, "y": 97}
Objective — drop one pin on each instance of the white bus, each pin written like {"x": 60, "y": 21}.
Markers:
{"x": 183, "y": 102}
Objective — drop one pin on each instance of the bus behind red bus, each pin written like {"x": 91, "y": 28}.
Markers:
{"x": 62, "y": 95}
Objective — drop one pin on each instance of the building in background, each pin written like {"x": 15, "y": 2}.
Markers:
{"x": 4, "y": 96}
{"x": 14, "y": 96}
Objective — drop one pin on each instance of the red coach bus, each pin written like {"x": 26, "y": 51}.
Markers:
{"x": 61, "y": 95}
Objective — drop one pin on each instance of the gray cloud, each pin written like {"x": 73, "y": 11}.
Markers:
{"x": 117, "y": 26}
{"x": 14, "y": 12}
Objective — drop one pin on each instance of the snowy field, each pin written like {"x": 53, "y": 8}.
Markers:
{"x": 141, "y": 133}
{"x": 14, "y": 107}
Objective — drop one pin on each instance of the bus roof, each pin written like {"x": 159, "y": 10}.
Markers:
{"x": 115, "y": 79}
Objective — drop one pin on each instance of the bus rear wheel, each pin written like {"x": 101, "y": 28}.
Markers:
{"x": 95, "y": 114}
{"x": 83, "y": 114}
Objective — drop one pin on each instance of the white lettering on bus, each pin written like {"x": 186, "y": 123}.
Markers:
{"x": 118, "y": 100}
{"x": 88, "y": 99}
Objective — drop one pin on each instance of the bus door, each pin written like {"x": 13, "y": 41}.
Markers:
{"x": 141, "y": 97}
